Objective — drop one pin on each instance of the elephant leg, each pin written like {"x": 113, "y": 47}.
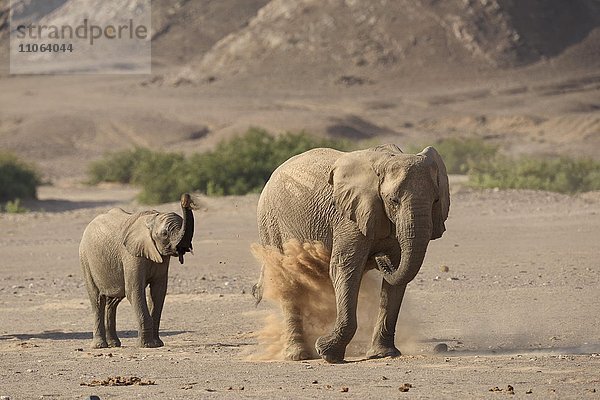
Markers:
{"x": 98, "y": 303}
{"x": 385, "y": 327}
{"x": 135, "y": 290}
{"x": 111, "y": 321}
{"x": 296, "y": 347}
{"x": 145, "y": 323}
{"x": 346, "y": 270}
{"x": 158, "y": 291}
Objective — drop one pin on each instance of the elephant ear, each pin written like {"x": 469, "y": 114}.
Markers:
{"x": 442, "y": 206}
{"x": 356, "y": 192}
{"x": 137, "y": 237}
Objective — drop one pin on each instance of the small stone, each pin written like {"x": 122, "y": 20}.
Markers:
{"x": 440, "y": 348}
{"x": 405, "y": 387}
{"x": 529, "y": 391}
{"x": 444, "y": 268}
{"x": 4, "y": 397}
{"x": 315, "y": 382}
{"x": 344, "y": 389}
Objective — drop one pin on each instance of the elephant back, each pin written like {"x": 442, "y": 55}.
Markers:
{"x": 296, "y": 197}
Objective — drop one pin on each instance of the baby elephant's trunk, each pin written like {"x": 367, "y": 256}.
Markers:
{"x": 184, "y": 237}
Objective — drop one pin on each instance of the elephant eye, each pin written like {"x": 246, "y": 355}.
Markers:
{"x": 164, "y": 233}
{"x": 395, "y": 200}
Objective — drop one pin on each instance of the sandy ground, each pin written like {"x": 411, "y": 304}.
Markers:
{"x": 519, "y": 306}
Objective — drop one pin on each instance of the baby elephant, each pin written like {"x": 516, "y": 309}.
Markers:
{"x": 122, "y": 253}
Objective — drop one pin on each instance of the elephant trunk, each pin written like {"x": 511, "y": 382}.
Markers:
{"x": 413, "y": 231}
{"x": 183, "y": 238}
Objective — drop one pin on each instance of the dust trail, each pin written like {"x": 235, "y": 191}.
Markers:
{"x": 300, "y": 274}
{"x": 408, "y": 333}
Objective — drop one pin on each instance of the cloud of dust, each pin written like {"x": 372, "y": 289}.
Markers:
{"x": 300, "y": 274}
{"x": 407, "y": 328}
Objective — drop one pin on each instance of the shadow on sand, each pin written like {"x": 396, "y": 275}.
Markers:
{"x": 582, "y": 349}
{"x": 60, "y": 335}
{"x": 55, "y": 206}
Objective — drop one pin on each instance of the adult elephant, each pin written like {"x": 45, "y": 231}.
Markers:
{"x": 121, "y": 254}
{"x": 370, "y": 208}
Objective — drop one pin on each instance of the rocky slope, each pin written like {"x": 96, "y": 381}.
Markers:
{"x": 345, "y": 37}
{"x": 333, "y": 37}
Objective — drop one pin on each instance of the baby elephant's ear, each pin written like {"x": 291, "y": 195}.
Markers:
{"x": 137, "y": 237}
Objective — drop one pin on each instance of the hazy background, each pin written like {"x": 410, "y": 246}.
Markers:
{"x": 522, "y": 74}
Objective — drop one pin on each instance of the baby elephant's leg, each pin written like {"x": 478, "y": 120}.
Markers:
{"x": 98, "y": 302}
{"x": 158, "y": 291}
{"x": 111, "y": 321}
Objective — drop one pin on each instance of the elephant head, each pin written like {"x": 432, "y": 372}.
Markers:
{"x": 385, "y": 191}
{"x": 152, "y": 235}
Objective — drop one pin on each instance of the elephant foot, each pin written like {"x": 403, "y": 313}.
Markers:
{"x": 329, "y": 350}
{"x": 296, "y": 352}
{"x": 114, "y": 342}
{"x": 99, "y": 344}
{"x": 382, "y": 352}
{"x": 150, "y": 344}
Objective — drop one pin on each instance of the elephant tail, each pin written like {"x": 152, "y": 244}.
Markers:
{"x": 257, "y": 289}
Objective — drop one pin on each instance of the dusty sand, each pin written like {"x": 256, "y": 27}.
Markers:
{"x": 517, "y": 307}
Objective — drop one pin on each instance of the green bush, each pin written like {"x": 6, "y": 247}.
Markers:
{"x": 245, "y": 163}
{"x": 162, "y": 177}
{"x": 117, "y": 167}
{"x": 237, "y": 166}
{"x": 562, "y": 174}
{"x": 18, "y": 180}
{"x": 460, "y": 154}
{"x": 15, "y": 207}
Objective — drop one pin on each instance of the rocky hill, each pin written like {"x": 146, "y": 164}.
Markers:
{"x": 186, "y": 29}
{"x": 335, "y": 38}
{"x": 181, "y": 29}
